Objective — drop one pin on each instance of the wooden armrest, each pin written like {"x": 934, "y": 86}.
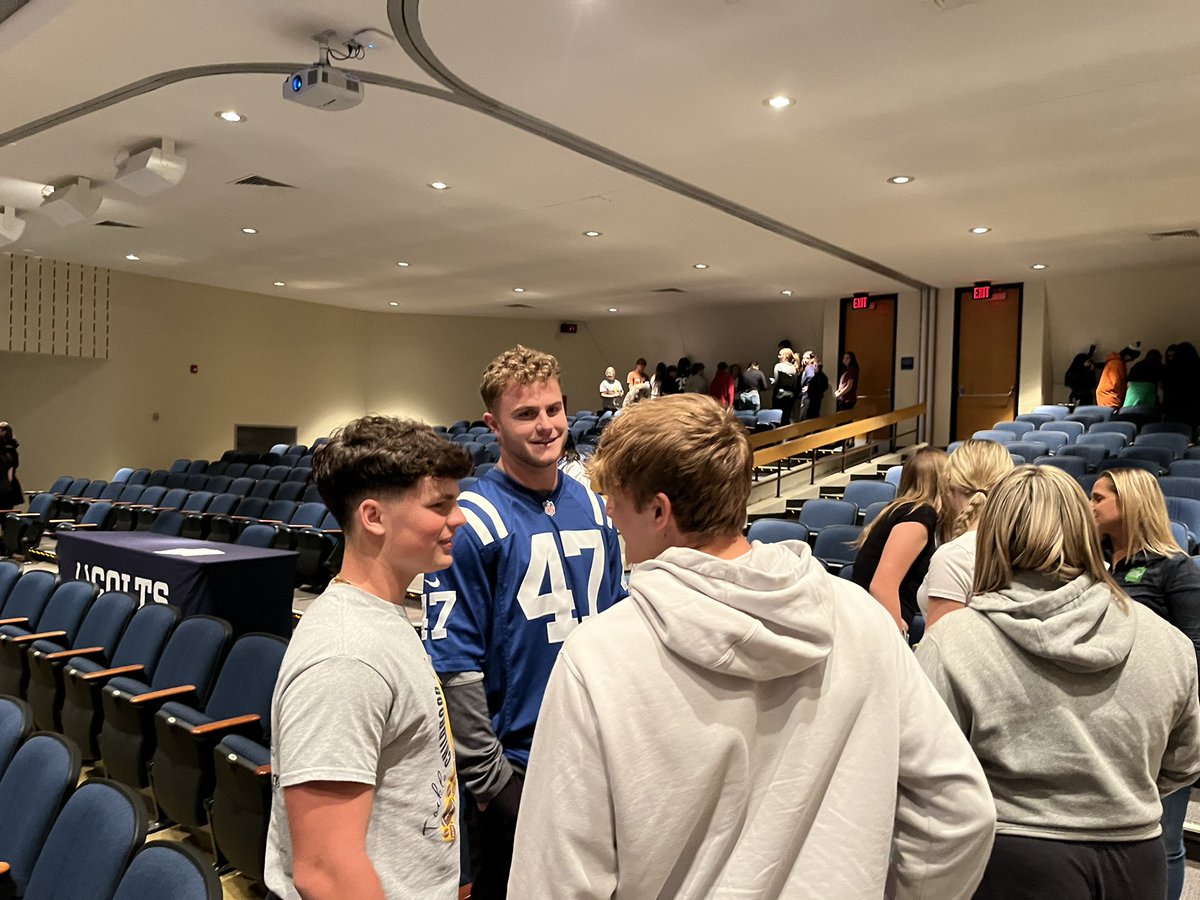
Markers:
{"x": 80, "y": 525}
{"x": 67, "y": 654}
{"x": 109, "y": 673}
{"x": 17, "y": 620}
{"x": 270, "y": 521}
{"x": 331, "y": 531}
{"x": 263, "y": 770}
{"x": 164, "y": 693}
{"x": 60, "y": 521}
{"x": 225, "y": 724}
{"x": 26, "y": 638}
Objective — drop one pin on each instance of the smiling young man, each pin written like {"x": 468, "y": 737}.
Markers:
{"x": 539, "y": 556}
{"x": 745, "y": 724}
{"x": 365, "y": 791}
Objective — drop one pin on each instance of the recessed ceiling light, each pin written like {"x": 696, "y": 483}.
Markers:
{"x": 612, "y": 309}
{"x": 779, "y": 101}
{"x": 900, "y": 179}
{"x": 592, "y": 233}
{"x": 518, "y": 290}
{"x": 228, "y": 115}
{"x": 132, "y": 256}
{"x": 47, "y": 190}
{"x": 280, "y": 284}
{"x": 439, "y": 185}
{"x": 700, "y": 266}
{"x": 786, "y": 293}
{"x": 1038, "y": 266}
{"x": 249, "y": 231}
{"x": 980, "y": 229}
{"x": 393, "y": 303}
{"x": 402, "y": 265}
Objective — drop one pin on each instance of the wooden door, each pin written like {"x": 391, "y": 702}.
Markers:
{"x": 870, "y": 333}
{"x": 987, "y": 344}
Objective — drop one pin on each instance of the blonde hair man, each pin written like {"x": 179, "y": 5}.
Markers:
{"x": 745, "y": 724}
{"x": 538, "y": 556}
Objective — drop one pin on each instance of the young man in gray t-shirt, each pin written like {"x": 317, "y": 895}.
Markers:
{"x": 365, "y": 801}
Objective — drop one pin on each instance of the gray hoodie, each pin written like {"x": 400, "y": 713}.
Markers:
{"x": 749, "y": 728}
{"x": 1083, "y": 711}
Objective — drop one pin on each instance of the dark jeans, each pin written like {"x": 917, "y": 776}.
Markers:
{"x": 1023, "y": 868}
{"x": 1174, "y": 813}
{"x": 492, "y": 842}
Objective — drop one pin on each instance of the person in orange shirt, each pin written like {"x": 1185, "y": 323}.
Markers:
{"x": 1111, "y": 390}
{"x": 637, "y": 375}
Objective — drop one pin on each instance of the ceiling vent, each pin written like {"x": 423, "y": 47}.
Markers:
{"x": 668, "y": 291}
{"x": 519, "y": 306}
{"x": 1174, "y": 235}
{"x": 112, "y": 223}
{"x": 262, "y": 181}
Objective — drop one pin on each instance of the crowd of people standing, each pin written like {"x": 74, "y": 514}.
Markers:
{"x": 1158, "y": 380}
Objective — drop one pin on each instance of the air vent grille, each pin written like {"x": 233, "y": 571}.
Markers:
{"x": 519, "y": 306}
{"x": 1174, "y": 235}
{"x": 668, "y": 291}
{"x": 112, "y": 223}
{"x": 262, "y": 181}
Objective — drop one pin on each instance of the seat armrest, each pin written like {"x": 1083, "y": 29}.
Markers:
{"x": 331, "y": 531}
{"x": 61, "y": 521}
{"x": 222, "y": 725}
{"x": 67, "y": 654}
{"x": 42, "y": 635}
{"x": 113, "y": 673}
{"x": 270, "y": 521}
{"x": 163, "y": 695}
{"x": 16, "y": 620}
{"x": 263, "y": 770}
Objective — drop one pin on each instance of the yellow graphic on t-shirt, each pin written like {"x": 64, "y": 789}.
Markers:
{"x": 446, "y": 787}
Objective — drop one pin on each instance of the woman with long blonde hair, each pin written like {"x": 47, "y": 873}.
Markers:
{"x": 896, "y": 547}
{"x": 1081, "y": 706}
{"x": 971, "y": 472}
{"x": 1154, "y": 570}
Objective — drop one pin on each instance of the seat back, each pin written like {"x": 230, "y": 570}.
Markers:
{"x": 66, "y": 608}
{"x": 143, "y": 640}
{"x": 247, "y": 678}
{"x": 241, "y": 486}
{"x": 197, "y": 466}
{"x": 180, "y": 465}
{"x": 1093, "y": 453}
{"x": 1179, "y": 534}
{"x": 151, "y": 496}
{"x": 770, "y": 417}
{"x": 61, "y": 483}
{"x": 29, "y": 596}
{"x": 277, "y": 510}
{"x": 873, "y": 510}
{"x": 1028, "y": 451}
{"x": 893, "y": 475}
{"x": 236, "y": 470}
{"x": 76, "y": 487}
{"x": 92, "y": 841}
{"x": 223, "y": 504}
{"x": 16, "y": 724}
{"x": 1187, "y": 511}
{"x": 196, "y": 482}
{"x": 1115, "y": 463}
{"x": 772, "y": 531}
{"x": 1017, "y": 428}
{"x": 105, "y": 620}
{"x": 290, "y": 490}
{"x": 819, "y": 514}
{"x": 251, "y": 507}
{"x": 122, "y": 474}
{"x": 169, "y": 523}
{"x": 1187, "y": 468}
{"x": 1071, "y": 429}
{"x": 1180, "y": 486}
{"x": 257, "y": 471}
{"x": 1072, "y": 465}
{"x": 311, "y": 494}
{"x": 37, "y": 782}
{"x": 1160, "y": 456}
{"x": 110, "y": 491}
{"x": 1054, "y": 412}
{"x": 94, "y": 489}
{"x": 1111, "y": 442}
{"x": 991, "y": 434}
{"x": 133, "y": 493}
{"x": 158, "y": 476}
{"x": 1169, "y": 428}
{"x": 864, "y": 493}
{"x": 1176, "y": 443}
{"x": 173, "y": 499}
{"x": 1055, "y": 440}
{"x": 138, "y": 476}
{"x": 1126, "y": 429}
{"x": 835, "y": 544}
{"x": 261, "y": 536}
{"x": 1035, "y": 419}
{"x": 300, "y": 473}
{"x": 9, "y": 573}
{"x": 98, "y": 515}
{"x": 192, "y": 654}
{"x": 1104, "y": 412}
{"x": 169, "y": 869}
{"x": 308, "y": 514}
{"x": 265, "y": 489}
{"x": 218, "y": 484}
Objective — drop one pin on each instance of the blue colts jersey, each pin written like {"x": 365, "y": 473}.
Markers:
{"x": 527, "y": 570}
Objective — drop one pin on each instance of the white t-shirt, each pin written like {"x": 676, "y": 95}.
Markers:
{"x": 951, "y": 572}
{"x": 357, "y": 700}
{"x": 611, "y": 387}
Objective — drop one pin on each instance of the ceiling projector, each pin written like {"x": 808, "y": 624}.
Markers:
{"x": 323, "y": 87}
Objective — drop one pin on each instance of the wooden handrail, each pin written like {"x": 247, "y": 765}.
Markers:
{"x": 833, "y": 435}
{"x": 808, "y": 426}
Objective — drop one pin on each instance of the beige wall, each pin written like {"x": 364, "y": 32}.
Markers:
{"x": 268, "y": 361}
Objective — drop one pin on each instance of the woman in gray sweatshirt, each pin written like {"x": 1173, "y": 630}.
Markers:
{"x": 1080, "y": 705}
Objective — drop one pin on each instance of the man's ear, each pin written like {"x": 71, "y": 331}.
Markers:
{"x": 490, "y": 421}
{"x": 660, "y": 506}
{"x": 370, "y": 517}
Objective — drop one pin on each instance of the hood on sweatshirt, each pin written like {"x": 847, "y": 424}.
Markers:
{"x": 1077, "y": 625}
{"x": 765, "y": 615}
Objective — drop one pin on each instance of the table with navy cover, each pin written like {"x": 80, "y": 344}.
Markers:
{"x": 249, "y": 587}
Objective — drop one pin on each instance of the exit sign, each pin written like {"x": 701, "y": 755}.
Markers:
{"x": 859, "y": 301}
{"x": 983, "y": 291}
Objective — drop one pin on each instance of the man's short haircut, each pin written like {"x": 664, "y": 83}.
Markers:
{"x": 520, "y": 365}
{"x": 379, "y": 456}
{"x": 688, "y": 447}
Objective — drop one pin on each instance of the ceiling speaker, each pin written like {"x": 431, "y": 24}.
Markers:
{"x": 72, "y": 203}
{"x": 11, "y": 227}
{"x": 152, "y": 170}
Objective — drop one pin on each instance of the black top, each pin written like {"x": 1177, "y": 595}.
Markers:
{"x": 869, "y": 554}
{"x": 1169, "y": 585}
{"x": 752, "y": 380}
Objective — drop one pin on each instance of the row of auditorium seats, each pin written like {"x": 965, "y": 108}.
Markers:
{"x": 85, "y": 842}
{"x": 168, "y": 705}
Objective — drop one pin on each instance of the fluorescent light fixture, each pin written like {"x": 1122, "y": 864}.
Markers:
{"x": 280, "y": 284}
{"x": 249, "y": 231}
{"x": 786, "y": 293}
{"x": 393, "y": 303}
{"x": 900, "y": 179}
{"x": 779, "y": 101}
{"x": 132, "y": 257}
{"x": 439, "y": 185}
{"x": 980, "y": 229}
{"x": 231, "y": 116}
{"x": 518, "y": 290}
{"x": 612, "y": 309}
{"x": 592, "y": 233}
{"x": 700, "y": 266}
{"x": 1038, "y": 266}
{"x": 402, "y": 265}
